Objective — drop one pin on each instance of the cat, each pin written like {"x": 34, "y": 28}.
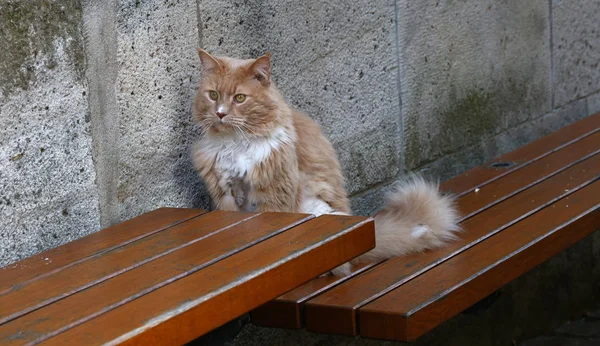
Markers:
{"x": 256, "y": 153}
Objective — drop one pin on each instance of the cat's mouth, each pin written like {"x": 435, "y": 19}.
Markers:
{"x": 225, "y": 125}
{"x": 222, "y": 126}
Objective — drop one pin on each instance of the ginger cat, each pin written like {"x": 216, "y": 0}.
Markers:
{"x": 258, "y": 154}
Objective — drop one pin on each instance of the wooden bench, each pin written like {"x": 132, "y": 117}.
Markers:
{"x": 169, "y": 276}
{"x": 518, "y": 211}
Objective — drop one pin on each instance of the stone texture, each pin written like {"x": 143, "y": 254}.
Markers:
{"x": 596, "y": 257}
{"x": 369, "y": 159}
{"x": 47, "y": 191}
{"x": 333, "y": 60}
{"x": 576, "y": 47}
{"x": 253, "y": 335}
{"x": 594, "y": 103}
{"x": 483, "y": 151}
{"x": 558, "y": 341}
{"x": 486, "y": 149}
{"x": 584, "y": 331}
{"x": 223, "y": 334}
{"x": 369, "y": 202}
{"x": 155, "y": 86}
{"x": 26, "y": 36}
{"x": 581, "y": 328}
{"x": 469, "y": 70}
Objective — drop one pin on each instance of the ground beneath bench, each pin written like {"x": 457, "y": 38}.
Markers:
{"x": 582, "y": 332}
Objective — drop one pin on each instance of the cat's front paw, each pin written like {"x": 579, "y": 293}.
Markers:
{"x": 237, "y": 190}
{"x": 228, "y": 203}
{"x": 226, "y": 182}
{"x": 239, "y": 200}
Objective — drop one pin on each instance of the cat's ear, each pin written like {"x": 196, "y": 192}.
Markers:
{"x": 261, "y": 69}
{"x": 208, "y": 61}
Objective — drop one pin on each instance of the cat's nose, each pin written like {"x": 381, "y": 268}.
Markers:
{"x": 221, "y": 115}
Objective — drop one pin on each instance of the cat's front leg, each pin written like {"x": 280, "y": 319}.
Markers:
{"x": 223, "y": 199}
{"x": 227, "y": 202}
{"x": 215, "y": 182}
{"x": 237, "y": 190}
{"x": 275, "y": 183}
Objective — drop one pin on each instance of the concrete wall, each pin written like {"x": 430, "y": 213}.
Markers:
{"x": 48, "y": 190}
{"x": 95, "y": 102}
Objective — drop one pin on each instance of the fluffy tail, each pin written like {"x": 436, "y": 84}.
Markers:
{"x": 416, "y": 217}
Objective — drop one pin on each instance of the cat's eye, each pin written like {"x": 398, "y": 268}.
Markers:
{"x": 213, "y": 95}
{"x": 239, "y": 98}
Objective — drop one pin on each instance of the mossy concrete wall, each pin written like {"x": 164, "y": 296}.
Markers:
{"x": 48, "y": 190}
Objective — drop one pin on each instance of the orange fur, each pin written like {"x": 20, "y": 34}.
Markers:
{"x": 300, "y": 163}
{"x": 259, "y": 154}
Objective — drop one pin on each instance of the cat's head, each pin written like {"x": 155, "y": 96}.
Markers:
{"x": 236, "y": 96}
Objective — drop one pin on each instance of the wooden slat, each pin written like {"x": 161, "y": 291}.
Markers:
{"x": 285, "y": 311}
{"x": 35, "y": 294}
{"x": 59, "y": 258}
{"x": 511, "y": 184}
{"x": 432, "y": 298}
{"x": 335, "y": 310}
{"x": 197, "y": 303}
{"x": 73, "y": 310}
{"x": 524, "y": 155}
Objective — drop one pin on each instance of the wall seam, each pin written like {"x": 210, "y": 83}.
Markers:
{"x": 552, "y": 79}
{"x": 100, "y": 34}
{"x": 400, "y": 122}
{"x": 199, "y": 21}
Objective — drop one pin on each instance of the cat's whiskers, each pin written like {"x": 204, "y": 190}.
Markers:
{"x": 240, "y": 128}
{"x": 240, "y": 133}
{"x": 248, "y": 131}
{"x": 205, "y": 124}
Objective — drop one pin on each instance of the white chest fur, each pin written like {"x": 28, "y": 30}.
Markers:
{"x": 237, "y": 156}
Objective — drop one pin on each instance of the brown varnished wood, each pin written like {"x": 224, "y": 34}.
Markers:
{"x": 524, "y": 155}
{"x": 529, "y": 175}
{"x": 35, "y": 294}
{"x": 432, "y": 298}
{"x": 199, "y": 302}
{"x": 69, "y": 254}
{"x": 335, "y": 310}
{"x": 84, "y": 305}
{"x": 286, "y": 311}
